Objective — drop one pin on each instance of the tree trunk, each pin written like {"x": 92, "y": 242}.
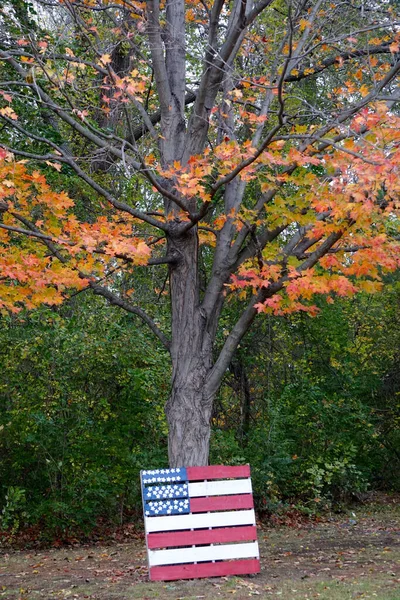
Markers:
{"x": 188, "y": 410}
{"x": 242, "y": 388}
{"x": 188, "y": 415}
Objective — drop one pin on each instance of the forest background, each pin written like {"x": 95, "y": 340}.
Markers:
{"x": 312, "y": 403}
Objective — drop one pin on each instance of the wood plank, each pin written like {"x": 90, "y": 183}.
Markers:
{"x": 202, "y": 536}
{"x": 220, "y": 488}
{"x": 200, "y": 521}
{"x": 217, "y": 472}
{"x": 221, "y": 569}
{"x": 203, "y": 553}
{"x": 198, "y": 505}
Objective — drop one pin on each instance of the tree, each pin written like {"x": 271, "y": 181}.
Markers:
{"x": 250, "y": 146}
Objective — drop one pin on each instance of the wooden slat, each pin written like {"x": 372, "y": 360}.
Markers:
{"x": 198, "y": 505}
{"x": 202, "y": 536}
{"x": 203, "y": 553}
{"x": 199, "y": 521}
{"x": 217, "y": 472}
{"x": 221, "y": 569}
{"x": 220, "y": 488}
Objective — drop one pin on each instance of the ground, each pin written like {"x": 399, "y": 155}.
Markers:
{"x": 352, "y": 556}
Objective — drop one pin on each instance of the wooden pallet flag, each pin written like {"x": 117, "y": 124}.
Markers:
{"x": 199, "y": 522}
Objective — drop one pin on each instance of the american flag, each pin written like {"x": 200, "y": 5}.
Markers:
{"x": 199, "y": 522}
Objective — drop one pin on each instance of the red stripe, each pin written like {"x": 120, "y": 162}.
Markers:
{"x": 209, "y": 569}
{"x": 202, "y": 536}
{"x": 221, "y": 503}
{"x": 217, "y": 472}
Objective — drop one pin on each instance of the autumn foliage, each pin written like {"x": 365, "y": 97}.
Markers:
{"x": 30, "y": 275}
{"x": 348, "y": 192}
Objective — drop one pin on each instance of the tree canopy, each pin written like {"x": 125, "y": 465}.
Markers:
{"x": 250, "y": 146}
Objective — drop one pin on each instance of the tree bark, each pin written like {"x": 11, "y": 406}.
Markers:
{"x": 188, "y": 409}
{"x": 242, "y": 388}
{"x": 188, "y": 414}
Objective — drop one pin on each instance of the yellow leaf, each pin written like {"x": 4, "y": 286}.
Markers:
{"x": 8, "y": 112}
{"x": 359, "y": 74}
{"x": 105, "y": 59}
{"x": 303, "y": 23}
{"x": 301, "y": 128}
{"x": 56, "y": 166}
{"x": 371, "y": 287}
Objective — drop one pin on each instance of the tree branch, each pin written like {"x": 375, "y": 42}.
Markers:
{"x": 100, "y": 290}
{"x": 158, "y": 59}
{"x": 67, "y": 159}
{"x": 115, "y": 300}
{"x": 162, "y": 260}
{"x": 247, "y": 317}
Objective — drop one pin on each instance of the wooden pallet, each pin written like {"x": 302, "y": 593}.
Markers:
{"x": 199, "y": 522}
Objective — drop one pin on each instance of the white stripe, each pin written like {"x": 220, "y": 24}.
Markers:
{"x": 200, "y": 521}
{"x": 220, "y": 488}
{"x": 202, "y": 553}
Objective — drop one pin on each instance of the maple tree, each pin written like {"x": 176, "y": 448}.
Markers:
{"x": 250, "y": 146}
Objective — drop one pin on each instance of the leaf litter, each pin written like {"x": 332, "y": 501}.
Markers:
{"x": 331, "y": 559}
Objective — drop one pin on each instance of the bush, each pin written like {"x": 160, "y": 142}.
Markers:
{"x": 81, "y": 412}
{"x": 310, "y": 448}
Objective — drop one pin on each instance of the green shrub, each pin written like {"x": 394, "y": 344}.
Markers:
{"x": 81, "y": 412}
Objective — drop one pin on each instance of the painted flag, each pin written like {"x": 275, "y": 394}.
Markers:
{"x": 199, "y": 522}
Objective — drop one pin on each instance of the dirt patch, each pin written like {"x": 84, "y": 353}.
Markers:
{"x": 349, "y": 557}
